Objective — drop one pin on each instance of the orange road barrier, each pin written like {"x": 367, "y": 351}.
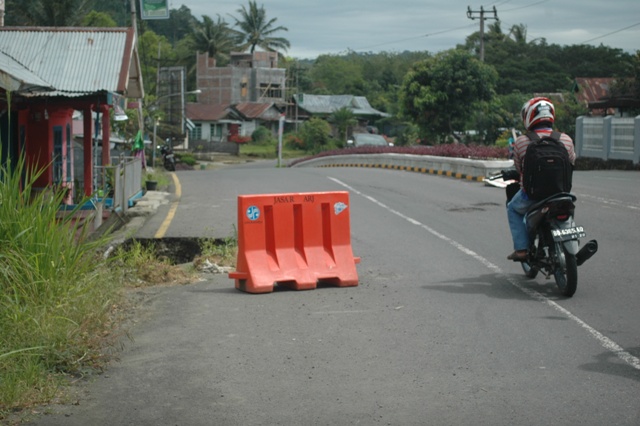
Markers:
{"x": 294, "y": 240}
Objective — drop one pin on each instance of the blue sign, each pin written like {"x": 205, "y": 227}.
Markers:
{"x": 253, "y": 213}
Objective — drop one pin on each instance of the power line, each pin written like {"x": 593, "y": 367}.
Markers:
{"x": 611, "y": 33}
{"x": 417, "y": 37}
{"x": 526, "y": 6}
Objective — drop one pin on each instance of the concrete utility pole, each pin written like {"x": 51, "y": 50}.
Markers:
{"x": 482, "y": 19}
{"x": 1, "y": 13}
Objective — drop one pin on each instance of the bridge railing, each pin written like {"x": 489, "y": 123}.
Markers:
{"x": 608, "y": 138}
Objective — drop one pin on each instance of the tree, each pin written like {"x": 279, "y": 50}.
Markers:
{"x": 343, "y": 119}
{"x": 214, "y": 38}
{"x": 336, "y": 75}
{"x": 98, "y": 20}
{"x": 257, "y": 31}
{"x": 47, "y": 13}
{"x": 179, "y": 25}
{"x": 439, "y": 94}
{"x": 315, "y": 134}
{"x": 150, "y": 46}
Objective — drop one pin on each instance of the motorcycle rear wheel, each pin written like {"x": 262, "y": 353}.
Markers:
{"x": 529, "y": 271}
{"x": 566, "y": 275}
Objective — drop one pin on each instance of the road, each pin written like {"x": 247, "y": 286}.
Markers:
{"x": 441, "y": 330}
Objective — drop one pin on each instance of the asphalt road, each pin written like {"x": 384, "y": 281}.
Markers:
{"x": 441, "y": 330}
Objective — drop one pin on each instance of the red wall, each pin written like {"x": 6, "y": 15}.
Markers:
{"x": 39, "y": 137}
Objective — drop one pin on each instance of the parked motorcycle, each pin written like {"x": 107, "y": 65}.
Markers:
{"x": 555, "y": 238}
{"x": 168, "y": 158}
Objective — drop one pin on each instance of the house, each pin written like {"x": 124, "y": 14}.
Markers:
{"x": 48, "y": 73}
{"x": 304, "y": 106}
{"x": 237, "y": 99}
{"x": 590, "y": 90}
{"x": 598, "y": 94}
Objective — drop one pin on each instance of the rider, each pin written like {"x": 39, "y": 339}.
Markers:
{"x": 538, "y": 115}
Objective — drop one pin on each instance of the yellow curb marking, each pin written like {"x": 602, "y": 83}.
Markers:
{"x": 172, "y": 211}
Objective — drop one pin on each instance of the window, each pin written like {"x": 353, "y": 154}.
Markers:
{"x": 270, "y": 90}
{"x": 195, "y": 134}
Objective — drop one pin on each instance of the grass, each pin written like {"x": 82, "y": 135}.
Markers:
{"x": 141, "y": 266}
{"x": 157, "y": 175}
{"x": 267, "y": 151}
{"x": 56, "y": 294}
{"x": 221, "y": 252}
{"x": 61, "y": 301}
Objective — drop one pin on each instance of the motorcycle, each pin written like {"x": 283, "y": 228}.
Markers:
{"x": 555, "y": 238}
{"x": 168, "y": 158}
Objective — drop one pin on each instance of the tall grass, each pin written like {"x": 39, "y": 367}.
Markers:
{"x": 55, "y": 292}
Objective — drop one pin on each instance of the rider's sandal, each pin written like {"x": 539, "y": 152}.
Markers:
{"x": 518, "y": 256}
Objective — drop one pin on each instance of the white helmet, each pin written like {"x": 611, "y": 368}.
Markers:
{"x": 537, "y": 110}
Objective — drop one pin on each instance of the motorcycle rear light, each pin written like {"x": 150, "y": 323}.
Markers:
{"x": 562, "y": 217}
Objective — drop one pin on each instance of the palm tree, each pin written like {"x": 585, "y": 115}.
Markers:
{"x": 257, "y": 31}
{"x": 214, "y": 38}
{"x": 343, "y": 119}
{"x": 519, "y": 33}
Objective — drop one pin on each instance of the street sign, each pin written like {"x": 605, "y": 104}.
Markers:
{"x": 154, "y": 9}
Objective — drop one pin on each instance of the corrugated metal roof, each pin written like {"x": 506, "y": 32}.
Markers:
{"x": 252, "y": 110}
{"x": 593, "y": 89}
{"x": 15, "y": 77}
{"x": 328, "y": 104}
{"x": 75, "y": 61}
{"x": 205, "y": 112}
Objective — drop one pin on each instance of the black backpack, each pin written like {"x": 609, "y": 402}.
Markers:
{"x": 546, "y": 169}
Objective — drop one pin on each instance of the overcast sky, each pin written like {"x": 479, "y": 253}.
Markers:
{"x": 336, "y": 26}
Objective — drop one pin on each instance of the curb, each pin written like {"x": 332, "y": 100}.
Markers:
{"x": 447, "y": 173}
{"x": 460, "y": 168}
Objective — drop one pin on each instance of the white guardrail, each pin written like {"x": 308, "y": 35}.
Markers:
{"x": 461, "y": 168}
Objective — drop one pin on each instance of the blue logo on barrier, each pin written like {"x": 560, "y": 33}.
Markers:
{"x": 253, "y": 213}
{"x": 339, "y": 208}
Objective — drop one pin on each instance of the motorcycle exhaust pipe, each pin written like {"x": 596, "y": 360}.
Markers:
{"x": 586, "y": 252}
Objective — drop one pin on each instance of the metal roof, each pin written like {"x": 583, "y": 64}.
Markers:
{"x": 205, "y": 112}
{"x": 328, "y": 104}
{"x": 253, "y": 110}
{"x": 77, "y": 61}
{"x": 593, "y": 89}
{"x": 15, "y": 77}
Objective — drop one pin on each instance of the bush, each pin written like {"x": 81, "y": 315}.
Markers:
{"x": 315, "y": 134}
{"x": 263, "y": 136}
{"x": 293, "y": 141}
{"x": 408, "y": 136}
{"x": 187, "y": 158}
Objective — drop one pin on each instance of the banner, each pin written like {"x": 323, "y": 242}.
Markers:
{"x": 154, "y": 9}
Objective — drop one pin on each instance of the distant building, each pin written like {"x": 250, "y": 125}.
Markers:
{"x": 236, "y": 99}
{"x": 250, "y": 92}
{"x": 597, "y": 95}
{"x": 248, "y": 78}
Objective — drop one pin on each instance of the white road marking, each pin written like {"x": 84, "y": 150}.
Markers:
{"x": 604, "y": 341}
{"x": 609, "y": 201}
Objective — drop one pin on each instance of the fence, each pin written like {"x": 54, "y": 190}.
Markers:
{"x": 608, "y": 138}
{"x": 121, "y": 182}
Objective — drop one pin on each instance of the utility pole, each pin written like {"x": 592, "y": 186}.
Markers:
{"x": 482, "y": 19}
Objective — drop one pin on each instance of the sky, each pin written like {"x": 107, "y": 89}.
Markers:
{"x": 337, "y": 26}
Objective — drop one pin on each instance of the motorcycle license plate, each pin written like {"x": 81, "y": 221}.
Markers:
{"x": 568, "y": 234}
